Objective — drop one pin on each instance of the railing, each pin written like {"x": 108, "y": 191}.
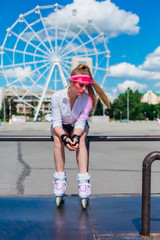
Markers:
{"x": 146, "y": 179}
{"x": 146, "y": 191}
{"x": 46, "y": 138}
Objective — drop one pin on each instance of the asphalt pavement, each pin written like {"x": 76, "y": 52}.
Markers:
{"x": 26, "y": 168}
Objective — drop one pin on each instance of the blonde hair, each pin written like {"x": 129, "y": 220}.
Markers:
{"x": 84, "y": 69}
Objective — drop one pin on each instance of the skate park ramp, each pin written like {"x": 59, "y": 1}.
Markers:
{"x": 107, "y": 217}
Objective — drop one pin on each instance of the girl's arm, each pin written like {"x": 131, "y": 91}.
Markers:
{"x": 61, "y": 134}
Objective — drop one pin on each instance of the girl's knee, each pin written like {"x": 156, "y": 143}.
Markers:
{"x": 82, "y": 142}
{"x": 57, "y": 143}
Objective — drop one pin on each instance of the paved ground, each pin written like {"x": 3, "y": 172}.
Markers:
{"x": 26, "y": 168}
{"x": 107, "y": 217}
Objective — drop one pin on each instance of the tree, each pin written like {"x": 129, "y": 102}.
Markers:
{"x": 32, "y": 110}
{"x": 137, "y": 109}
{"x": 8, "y": 102}
{"x": 119, "y": 106}
{"x": 99, "y": 108}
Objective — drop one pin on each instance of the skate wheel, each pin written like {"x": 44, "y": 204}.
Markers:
{"x": 84, "y": 203}
{"x": 58, "y": 201}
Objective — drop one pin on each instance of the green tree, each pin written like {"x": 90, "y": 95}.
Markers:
{"x": 119, "y": 106}
{"x": 99, "y": 108}
{"x": 33, "y": 103}
{"x": 137, "y": 109}
{"x": 9, "y": 105}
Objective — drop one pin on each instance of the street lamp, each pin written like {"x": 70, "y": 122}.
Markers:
{"x": 128, "y": 104}
{"x": 4, "y": 110}
{"x": 120, "y": 116}
{"x": 10, "y": 111}
{"x": 154, "y": 115}
{"x": 114, "y": 115}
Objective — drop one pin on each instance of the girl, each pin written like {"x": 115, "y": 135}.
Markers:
{"x": 70, "y": 110}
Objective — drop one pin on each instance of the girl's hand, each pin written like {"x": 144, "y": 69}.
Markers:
{"x": 75, "y": 141}
{"x": 70, "y": 145}
{"x": 67, "y": 142}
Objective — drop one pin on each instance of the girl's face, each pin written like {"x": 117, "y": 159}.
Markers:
{"x": 79, "y": 88}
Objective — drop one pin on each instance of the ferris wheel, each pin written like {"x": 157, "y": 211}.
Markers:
{"x": 40, "y": 49}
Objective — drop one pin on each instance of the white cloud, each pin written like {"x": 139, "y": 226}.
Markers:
{"x": 157, "y": 84}
{"x": 122, "y": 87}
{"x": 127, "y": 70}
{"x": 27, "y": 88}
{"x": 152, "y": 62}
{"x": 19, "y": 73}
{"x": 133, "y": 85}
{"x": 101, "y": 12}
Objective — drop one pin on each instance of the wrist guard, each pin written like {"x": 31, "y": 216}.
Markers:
{"x": 77, "y": 138}
{"x": 64, "y": 138}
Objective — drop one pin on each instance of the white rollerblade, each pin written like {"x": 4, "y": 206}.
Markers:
{"x": 84, "y": 187}
{"x": 60, "y": 184}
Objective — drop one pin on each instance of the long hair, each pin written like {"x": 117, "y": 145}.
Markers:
{"x": 84, "y": 69}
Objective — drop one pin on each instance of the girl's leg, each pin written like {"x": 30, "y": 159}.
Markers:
{"x": 82, "y": 154}
{"x": 83, "y": 177}
{"x": 59, "y": 154}
{"x": 60, "y": 181}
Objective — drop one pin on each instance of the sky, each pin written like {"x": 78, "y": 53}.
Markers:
{"x": 132, "y": 33}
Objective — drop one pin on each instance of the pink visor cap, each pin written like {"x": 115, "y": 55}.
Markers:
{"x": 82, "y": 79}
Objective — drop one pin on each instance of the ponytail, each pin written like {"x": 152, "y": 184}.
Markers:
{"x": 84, "y": 69}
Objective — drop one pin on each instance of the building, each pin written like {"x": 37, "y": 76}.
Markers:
{"x": 24, "y": 107}
{"x": 150, "y": 98}
{"x": 79, "y": 60}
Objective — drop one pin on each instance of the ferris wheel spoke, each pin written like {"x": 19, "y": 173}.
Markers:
{"x": 66, "y": 61}
{"x": 16, "y": 95}
{"x": 77, "y": 37}
{"x": 92, "y": 39}
{"x": 26, "y": 102}
{"x": 29, "y": 43}
{"x": 96, "y": 28}
{"x": 31, "y": 38}
{"x": 64, "y": 37}
{"x": 29, "y": 92}
{"x": 35, "y": 34}
{"x": 81, "y": 30}
{"x": 64, "y": 69}
{"x": 10, "y": 60}
{"x": 79, "y": 46}
{"x": 99, "y": 68}
{"x": 66, "y": 65}
{"x": 18, "y": 80}
{"x": 34, "y": 55}
{"x": 39, "y": 68}
{"x": 56, "y": 32}
{"x": 12, "y": 83}
{"x": 49, "y": 40}
{"x": 101, "y": 60}
{"x": 27, "y": 53}
{"x": 28, "y": 89}
{"x": 22, "y": 64}
{"x": 35, "y": 82}
{"x": 93, "y": 44}
{"x": 44, "y": 91}
{"x": 89, "y": 54}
